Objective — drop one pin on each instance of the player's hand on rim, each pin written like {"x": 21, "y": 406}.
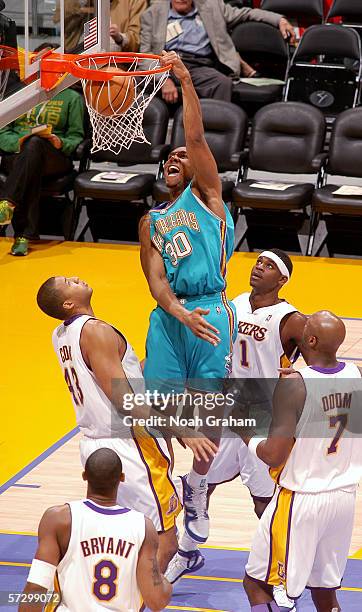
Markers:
{"x": 202, "y": 448}
{"x": 201, "y": 328}
{"x": 178, "y": 67}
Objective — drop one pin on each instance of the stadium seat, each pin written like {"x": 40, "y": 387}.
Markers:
{"x": 325, "y": 70}
{"x": 286, "y": 138}
{"x": 138, "y": 188}
{"x": 341, "y": 213}
{"x": 225, "y": 131}
{"x": 263, "y": 47}
{"x": 312, "y": 9}
{"x": 349, "y": 10}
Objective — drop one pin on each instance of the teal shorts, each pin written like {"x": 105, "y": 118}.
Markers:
{"x": 176, "y": 359}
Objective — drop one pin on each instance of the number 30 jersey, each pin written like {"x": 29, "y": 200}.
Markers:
{"x": 258, "y": 351}
{"x": 327, "y": 453}
{"x": 98, "y": 571}
{"x": 95, "y": 414}
{"x": 195, "y": 244}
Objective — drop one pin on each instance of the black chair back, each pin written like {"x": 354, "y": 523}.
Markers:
{"x": 286, "y": 137}
{"x": 345, "y": 147}
{"x": 263, "y": 46}
{"x": 155, "y": 124}
{"x": 225, "y": 127}
{"x": 349, "y": 10}
{"x": 297, "y": 8}
{"x": 325, "y": 70}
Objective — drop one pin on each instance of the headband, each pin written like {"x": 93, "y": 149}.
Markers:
{"x": 279, "y": 262}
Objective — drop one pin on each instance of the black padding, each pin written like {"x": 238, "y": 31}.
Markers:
{"x": 324, "y": 201}
{"x": 225, "y": 126}
{"x": 313, "y": 8}
{"x": 136, "y": 188}
{"x": 347, "y": 8}
{"x": 333, "y": 40}
{"x": 293, "y": 198}
{"x": 257, "y": 37}
{"x": 286, "y": 137}
{"x": 345, "y": 148}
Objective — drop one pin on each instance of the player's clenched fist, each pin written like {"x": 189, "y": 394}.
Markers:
{"x": 178, "y": 67}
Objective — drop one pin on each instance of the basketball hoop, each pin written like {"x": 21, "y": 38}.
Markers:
{"x": 8, "y": 61}
{"x": 117, "y": 121}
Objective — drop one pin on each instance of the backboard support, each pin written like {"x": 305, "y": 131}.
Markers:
{"x": 71, "y": 26}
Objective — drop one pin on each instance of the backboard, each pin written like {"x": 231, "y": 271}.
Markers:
{"x": 69, "y": 26}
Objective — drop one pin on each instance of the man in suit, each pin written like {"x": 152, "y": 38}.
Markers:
{"x": 198, "y": 30}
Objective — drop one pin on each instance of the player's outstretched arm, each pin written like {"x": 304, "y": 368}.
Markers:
{"x": 155, "y": 589}
{"x": 206, "y": 182}
{"x": 47, "y": 557}
{"x": 154, "y": 271}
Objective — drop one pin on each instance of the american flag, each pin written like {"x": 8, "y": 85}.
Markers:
{"x": 90, "y": 33}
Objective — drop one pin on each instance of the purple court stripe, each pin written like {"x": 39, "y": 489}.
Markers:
{"x": 35, "y": 462}
{"x": 26, "y": 486}
{"x": 105, "y": 510}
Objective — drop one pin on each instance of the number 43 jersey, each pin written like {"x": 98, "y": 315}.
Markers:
{"x": 98, "y": 571}
{"x": 95, "y": 414}
{"x": 195, "y": 244}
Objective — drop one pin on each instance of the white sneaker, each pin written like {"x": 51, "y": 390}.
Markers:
{"x": 184, "y": 563}
{"x": 282, "y": 600}
{"x": 196, "y": 518}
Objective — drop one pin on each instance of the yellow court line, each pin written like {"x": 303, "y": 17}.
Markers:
{"x": 24, "y": 533}
{"x": 223, "y": 547}
{"x": 214, "y": 578}
{"x": 13, "y": 564}
{"x": 357, "y": 554}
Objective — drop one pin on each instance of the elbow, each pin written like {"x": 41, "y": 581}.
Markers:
{"x": 157, "y": 604}
{"x": 273, "y": 458}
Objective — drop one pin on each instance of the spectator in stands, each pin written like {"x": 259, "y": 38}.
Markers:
{"x": 199, "y": 31}
{"x": 38, "y": 144}
{"x": 125, "y": 24}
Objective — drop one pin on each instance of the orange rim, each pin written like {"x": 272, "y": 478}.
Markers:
{"x": 54, "y": 65}
{"x": 11, "y": 60}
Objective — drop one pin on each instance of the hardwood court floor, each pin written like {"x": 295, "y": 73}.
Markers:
{"x": 36, "y": 408}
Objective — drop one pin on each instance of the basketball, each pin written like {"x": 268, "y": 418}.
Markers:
{"x": 110, "y": 97}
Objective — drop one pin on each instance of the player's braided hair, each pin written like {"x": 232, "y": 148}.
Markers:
{"x": 50, "y": 300}
{"x": 285, "y": 259}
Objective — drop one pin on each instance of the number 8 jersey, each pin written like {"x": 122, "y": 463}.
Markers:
{"x": 98, "y": 571}
{"x": 195, "y": 244}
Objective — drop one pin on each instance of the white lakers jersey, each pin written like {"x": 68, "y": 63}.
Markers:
{"x": 327, "y": 453}
{"x": 258, "y": 350}
{"x": 98, "y": 570}
{"x": 95, "y": 414}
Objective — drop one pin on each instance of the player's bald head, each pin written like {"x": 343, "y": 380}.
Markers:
{"x": 324, "y": 332}
{"x": 103, "y": 470}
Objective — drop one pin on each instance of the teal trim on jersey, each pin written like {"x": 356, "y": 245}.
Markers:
{"x": 195, "y": 245}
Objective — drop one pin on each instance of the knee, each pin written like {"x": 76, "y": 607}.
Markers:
{"x": 33, "y": 144}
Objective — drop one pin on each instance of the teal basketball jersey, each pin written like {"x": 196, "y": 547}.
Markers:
{"x": 195, "y": 244}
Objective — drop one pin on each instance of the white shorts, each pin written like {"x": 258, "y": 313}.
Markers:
{"x": 233, "y": 459}
{"x": 303, "y": 540}
{"x": 148, "y": 485}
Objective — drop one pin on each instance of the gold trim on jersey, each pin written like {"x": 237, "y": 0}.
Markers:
{"x": 158, "y": 468}
{"x": 51, "y": 606}
{"x": 280, "y": 526}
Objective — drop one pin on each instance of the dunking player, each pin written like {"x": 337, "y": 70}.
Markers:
{"x": 269, "y": 332}
{"x": 97, "y": 362}
{"x": 100, "y": 555}
{"x": 185, "y": 245}
{"x": 315, "y": 448}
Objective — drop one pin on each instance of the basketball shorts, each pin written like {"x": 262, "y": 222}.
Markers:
{"x": 148, "y": 486}
{"x": 176, "y": 358}
{"x": 302, "y": 540}
{"x": 233, "y": 459}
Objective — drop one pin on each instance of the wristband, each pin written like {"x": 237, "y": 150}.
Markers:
{"x": 253, "y": 444}
{"x": 42, "y": 573}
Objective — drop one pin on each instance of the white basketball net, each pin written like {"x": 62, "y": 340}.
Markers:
{"x": 123, "y": 127}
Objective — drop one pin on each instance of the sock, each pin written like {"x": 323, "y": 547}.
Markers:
{"x": 271, "y": 606}
{"x": 197, "y": 481}
{"x": 186, "y": 543}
